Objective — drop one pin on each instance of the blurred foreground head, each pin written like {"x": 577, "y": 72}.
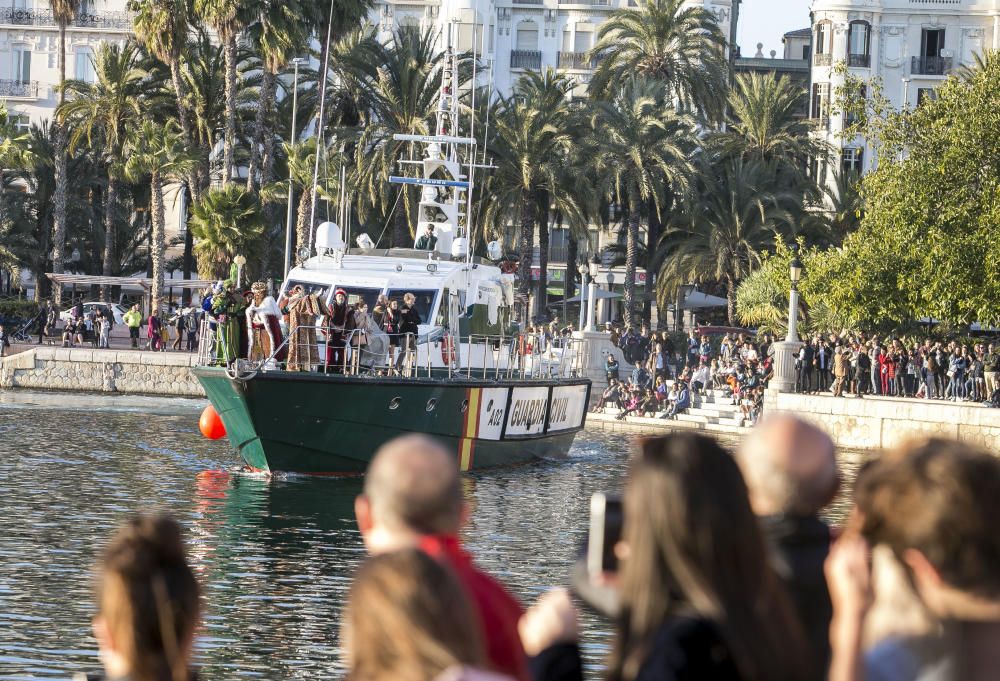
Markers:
{"x": 149, "y": 602}
{"x": 407, "y": 619}
{"x": 692, "y": 546}
{"x": 935, "y": 503}
{"x": 412, "y": 489}
{"x": 790, "y": 467}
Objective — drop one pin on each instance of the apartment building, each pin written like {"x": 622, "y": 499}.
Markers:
{"x": 29, "y": 51}
{"x": 911, "y": 46}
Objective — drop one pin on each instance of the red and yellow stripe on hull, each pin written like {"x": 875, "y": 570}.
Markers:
{"x": 470, "y": 429}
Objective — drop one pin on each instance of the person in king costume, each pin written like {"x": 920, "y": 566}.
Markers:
{"x": 262, "y": 321}
{"x": 303, "y": 310}
{"x": 227, "y": 305}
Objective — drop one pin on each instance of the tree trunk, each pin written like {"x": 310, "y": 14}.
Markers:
{"x": 230, "y": 133}
{"x": 542, "y": 298}
{"x": 61, "y": 161}
{"x": 182, "y": 112}
{"x": 261, "y": 129}
{"x": 157, "y": 238}
{"x": 569, "y": 283}
{"x": 529, "y": 218}
{"x": 110, "y": 198}
{"x": 302, "y": 225}
{"x": 652, "y": 237}
{"x": 634, "y": 215}
{"x": 731, "y": 300}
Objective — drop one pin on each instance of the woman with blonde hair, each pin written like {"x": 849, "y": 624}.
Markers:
{"x": 149, "y": 603}
{"x": 408, "y": 619}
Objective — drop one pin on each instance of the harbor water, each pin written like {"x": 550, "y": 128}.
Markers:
{"x": 275, "y": 555}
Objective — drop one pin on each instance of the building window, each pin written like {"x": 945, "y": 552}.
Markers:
{"x": 20, "y": 63}
{"x": 925, "y": 93}
{"x": 821, "y": 103}
{"x": 854, "y": 159}
{"x": 805, "y": 53}
{"x": 851, "y": 117}
{"x": 823, "y": 43}
{"x": 85, "y": 65}
{"x": 859, "y": 44}
{"x": 932, "y": 61}
{"x": 21, "y": 121}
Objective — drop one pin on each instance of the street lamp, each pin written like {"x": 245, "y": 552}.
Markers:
{"x": 291, "y": 190}
{"x": 611, "y": 289}
{"x": 595, "y": 267}
{"x": 582, "y": 269}
{"x": 240, "y": 261}
{"x": 785, "y": 351}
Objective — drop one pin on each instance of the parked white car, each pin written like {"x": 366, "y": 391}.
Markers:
{"x": 117, "y": 310}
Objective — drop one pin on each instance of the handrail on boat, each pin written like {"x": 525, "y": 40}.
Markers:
{"x": 520, "y": 356}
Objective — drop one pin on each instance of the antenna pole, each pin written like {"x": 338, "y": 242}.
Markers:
{"x": 319, "y": 127}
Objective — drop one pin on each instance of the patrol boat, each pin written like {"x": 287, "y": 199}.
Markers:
{"x": 494, "y": 396}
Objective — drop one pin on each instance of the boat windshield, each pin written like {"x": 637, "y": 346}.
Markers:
{"x": 309, "y": 287}
{"x": 424, "y": 304}
{"x": 358, "y": 293}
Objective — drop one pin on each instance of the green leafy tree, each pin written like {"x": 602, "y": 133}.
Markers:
{"x": 641, "y": 149}
{"x": 669, "y": 42}
{"x": 227, "y": 222}
{"x": 159, "y": 152}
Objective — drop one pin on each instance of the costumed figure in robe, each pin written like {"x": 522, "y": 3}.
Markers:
{"x": 340, "y": 323}
{"x": 265, "y": 330}
{"x": 370, "y": 344}
{"x": 303, "y": 310}
{"x": 227, "y": 308}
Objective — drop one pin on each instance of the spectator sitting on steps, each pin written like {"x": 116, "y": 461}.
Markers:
{"x": 412, "y": 498}
{"x": 682, "y": 404}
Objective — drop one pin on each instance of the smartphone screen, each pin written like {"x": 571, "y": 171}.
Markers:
{"x": 606, "y": 517}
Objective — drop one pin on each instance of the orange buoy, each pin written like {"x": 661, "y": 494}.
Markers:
{"x": 211, "y": 425}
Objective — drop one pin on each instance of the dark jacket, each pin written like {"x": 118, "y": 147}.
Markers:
{"x": 409, "y": 319}
{"x": 684, "y": 649}
{"x": 800, "y": 546}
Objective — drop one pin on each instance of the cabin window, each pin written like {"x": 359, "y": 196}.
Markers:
{"x": 424, "y": 304}
{"x": 308, "y": 286}
{"x": 359, "y": 293}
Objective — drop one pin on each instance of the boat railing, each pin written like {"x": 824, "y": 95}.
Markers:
{"x": 371, "y": 352}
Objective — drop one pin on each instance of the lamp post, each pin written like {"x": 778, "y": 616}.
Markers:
{"x": 785, "y": 352}
{"x": 611, "y": 289}
{"x": 582, "y": 269}
{"x": 240, "y": 261}
{"x": 291, "y": 190}
{"x": 595, "y": 266}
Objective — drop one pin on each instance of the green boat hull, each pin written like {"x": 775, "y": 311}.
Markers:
{"x": 332, "y": 425}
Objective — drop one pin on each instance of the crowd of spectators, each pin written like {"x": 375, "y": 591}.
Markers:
{"x": 724, "y": 569}
{"x": 928, "y": 369}
{"x": 669, "y": 375}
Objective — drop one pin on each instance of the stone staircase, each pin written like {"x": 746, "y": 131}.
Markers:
{"x": 711, "y": 412}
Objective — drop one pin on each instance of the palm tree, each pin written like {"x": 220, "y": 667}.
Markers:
{"x": 641, "y": 151}
{"x": 14, "y": 151}
{"x": 63, "y": 11}
{"x": 728, "y": 222}
{"x": 399, "y": 82}
{"x": 278, "y": 33}
{"x": 101, "y": 114}
{"x": 160, "y": 152}
{"x": 667, "y": 41}
{"x": 227, "y": 18}
{"x": 227, "y": 222}
{"x": 533, "y": 132}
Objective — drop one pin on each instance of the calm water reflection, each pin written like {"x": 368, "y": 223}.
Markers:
{"x": 275, "y": 556}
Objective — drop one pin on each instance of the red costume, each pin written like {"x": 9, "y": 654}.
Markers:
{"x": 498, "y": 611}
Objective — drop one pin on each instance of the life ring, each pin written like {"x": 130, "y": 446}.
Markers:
{"x": 448, "y": 355}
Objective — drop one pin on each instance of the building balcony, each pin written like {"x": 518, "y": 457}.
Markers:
{"x": 529, "y": 2}
{"x": 930, "y": 66}
{"x": 822, "y": 59}
{"x": 575, "y": 60}
{"x": 103, "y": 21}
{"x": 594, "y": 3}
{"x": 526, "y": 59}
{"x": 859, "y": 60}
{"x": 23, "y": 89}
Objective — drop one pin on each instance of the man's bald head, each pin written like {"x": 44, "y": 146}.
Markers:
{"x": 413, "y": 485}
{"x": 790, "y": 467}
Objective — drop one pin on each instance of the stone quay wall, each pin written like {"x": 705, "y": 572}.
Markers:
{"x": 112, "y": 371}
{"x": 884, "y": 422}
